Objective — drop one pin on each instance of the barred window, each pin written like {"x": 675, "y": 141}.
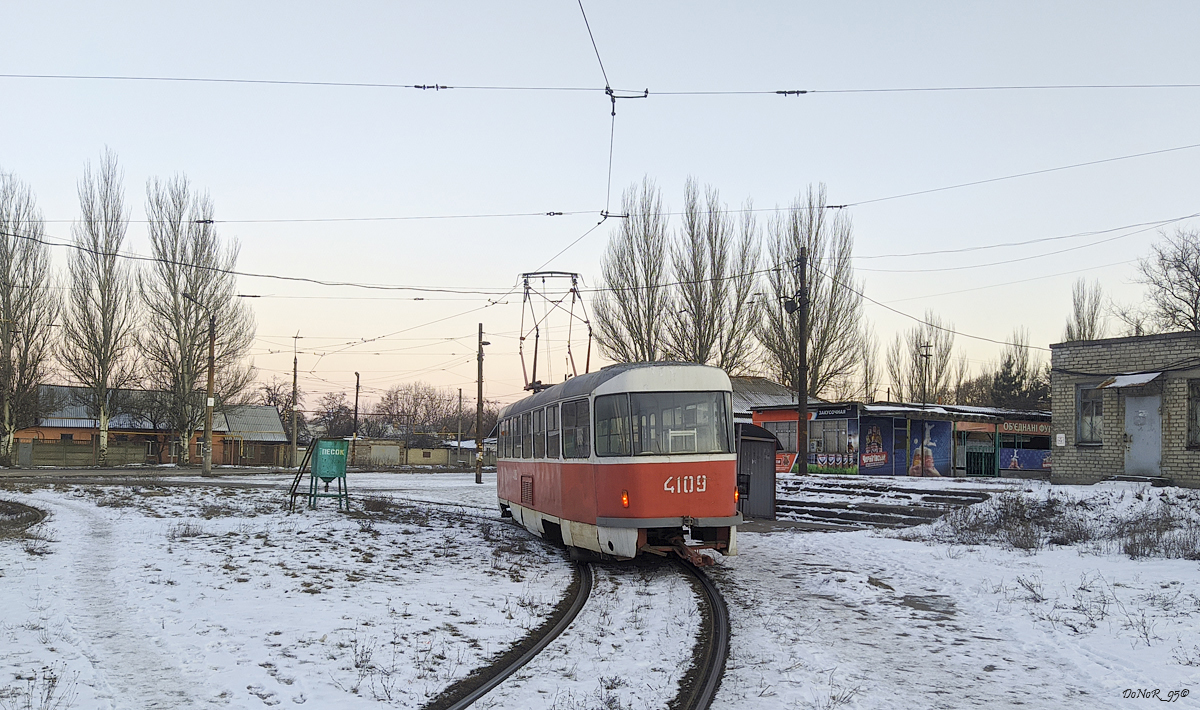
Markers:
{"x": 785, "y": 432}
{"x": 1089, "y": 416}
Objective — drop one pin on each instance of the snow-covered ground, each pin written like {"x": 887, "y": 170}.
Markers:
{"x": 198, "y": 596}
{"x": 188, "y": 597}
{"x": 912, "y": 619}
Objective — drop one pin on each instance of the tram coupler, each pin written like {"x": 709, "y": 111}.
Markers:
{"x": 679, "y": 547}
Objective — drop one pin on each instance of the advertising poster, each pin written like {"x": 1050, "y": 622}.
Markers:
{"x": 875, "y": 457}
{"x": 785, "y": 462}
{"x": 838, "y": 462}
{"x": 1024, "y": 459}
{"x": 930, "y": 449}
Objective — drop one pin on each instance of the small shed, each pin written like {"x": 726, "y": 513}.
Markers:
{"x": 756, "y": 448}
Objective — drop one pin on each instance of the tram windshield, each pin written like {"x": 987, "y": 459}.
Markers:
{"x": 680, "y": 423}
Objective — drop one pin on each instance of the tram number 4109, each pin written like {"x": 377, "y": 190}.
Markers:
{"x": 685, "y": 484}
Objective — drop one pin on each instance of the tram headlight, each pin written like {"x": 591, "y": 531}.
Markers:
{"x": 736, "y": 495}
{"x": 624, "y": 499}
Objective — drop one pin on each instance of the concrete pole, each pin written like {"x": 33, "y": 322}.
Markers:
{"x": 208, "y": 407}
{"x": 479, "y": 413}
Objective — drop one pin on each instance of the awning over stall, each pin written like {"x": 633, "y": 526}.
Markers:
{"x": 1128, "y": 380}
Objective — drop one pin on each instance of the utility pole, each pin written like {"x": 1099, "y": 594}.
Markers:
{"x": 792, "y": 304}
{"x": 209, "y": 402}
{"x": 295, "y": 394}
{"x": 925, "y": 355}
{"x": 802, "y": 296}
{"x": 479, "y": 412}
{"x": 206, "y": 469}
{"x": 458, "y": 451}
{"x": 354, "y": 436}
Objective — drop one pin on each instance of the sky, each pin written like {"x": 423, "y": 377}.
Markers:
{"x": 342, "y": 154}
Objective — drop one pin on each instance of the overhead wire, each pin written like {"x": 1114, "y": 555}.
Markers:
{"x": 935, "y": 326}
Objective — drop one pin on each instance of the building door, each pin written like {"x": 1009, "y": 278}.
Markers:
{"x": 25, "y": 454}
{"x": 756, "y": 478}
{"x": 1143, "y": 436}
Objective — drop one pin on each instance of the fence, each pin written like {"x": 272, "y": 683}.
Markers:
{"x": 86, "y": 453}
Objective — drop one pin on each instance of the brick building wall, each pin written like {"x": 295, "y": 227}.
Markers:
{"x": 1082, "y": 463}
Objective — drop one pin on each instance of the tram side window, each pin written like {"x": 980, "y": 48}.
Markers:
{"x": 503, "y": 438}
{"x": 576, "y": 429}
{"x": 612, "y": 425}
{"x": 515, "y": 435}
{"x": 526, "y": 436}
{"x": 539, "y": 434}
{"x": 552, "y": 431}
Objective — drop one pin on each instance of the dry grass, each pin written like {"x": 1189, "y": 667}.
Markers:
{"x": 1166, "y": 524}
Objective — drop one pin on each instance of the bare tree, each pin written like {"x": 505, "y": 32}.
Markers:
{"x": 914, "y": 376}
{"x": 1087, "y": 312}
{"x": 418, "y": 408}
{"x": 835, "y": 304}
{"x": 1134, "y": 319}
{"x": 712, "y": 321}
{"x": 98, "y": 337}
{"x": 631, "y": 309}
{"x": 277, "y": 393}
{"x": 334, "y": 416}
{"x": 1172, "y": 272}
{"x": 869, "y": 364}
{"x": 191, "y": 263}
{"x": 28, "y": 308}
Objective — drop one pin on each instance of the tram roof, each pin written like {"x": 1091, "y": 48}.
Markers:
{"x": 584, "y": 385}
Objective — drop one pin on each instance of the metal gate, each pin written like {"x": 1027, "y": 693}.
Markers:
{"x": 24, "y": 454}
{"x": 1143, "y": 435}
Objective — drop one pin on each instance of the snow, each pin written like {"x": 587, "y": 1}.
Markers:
{"x": 196, "y": 596}
{"x": 192, "y": 597}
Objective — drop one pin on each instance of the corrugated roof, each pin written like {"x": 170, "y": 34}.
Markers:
{"x": 254, "y": 423}
{"x": 757, "y": 392}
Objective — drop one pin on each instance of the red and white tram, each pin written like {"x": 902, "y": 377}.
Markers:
{"x": 632, "y": 458}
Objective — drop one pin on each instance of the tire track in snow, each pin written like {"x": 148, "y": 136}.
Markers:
{"x": 123, "y": 651}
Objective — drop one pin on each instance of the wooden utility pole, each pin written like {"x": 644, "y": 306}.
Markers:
{"x": 209, "y": 402}
{"x": 479, "y": 412}
{"x": 458, "y": 451}
{"x": 802, "y": 374}
{"x": 354, "y": 436}
{"x": 295, "y": 394}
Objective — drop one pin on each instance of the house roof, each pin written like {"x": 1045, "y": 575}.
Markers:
{"x": 756, "y": 392}
{"x": 249, "y": 422}
{"x": 253, "y": 423}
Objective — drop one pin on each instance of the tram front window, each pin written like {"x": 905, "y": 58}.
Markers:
{"x": 681, "y": 423}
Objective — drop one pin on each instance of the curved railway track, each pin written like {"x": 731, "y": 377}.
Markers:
{"x": 465, "y": 693}
{"x": 698, "y": 687}
{"x": 700, "y": 684}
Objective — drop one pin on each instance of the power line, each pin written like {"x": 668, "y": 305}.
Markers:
{"x": 394, "y": 218}
{"x": 981, "y": 247}
{"x": 1014, "y": 176}
{"x": 438, "y": 87}
{"x": 592, "y": 37}
{"x": 1011, "y": 283}
{"x": 935, "y": 326}
{"x": 1024, "y": 258}
{"x": 289, "y": 82}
